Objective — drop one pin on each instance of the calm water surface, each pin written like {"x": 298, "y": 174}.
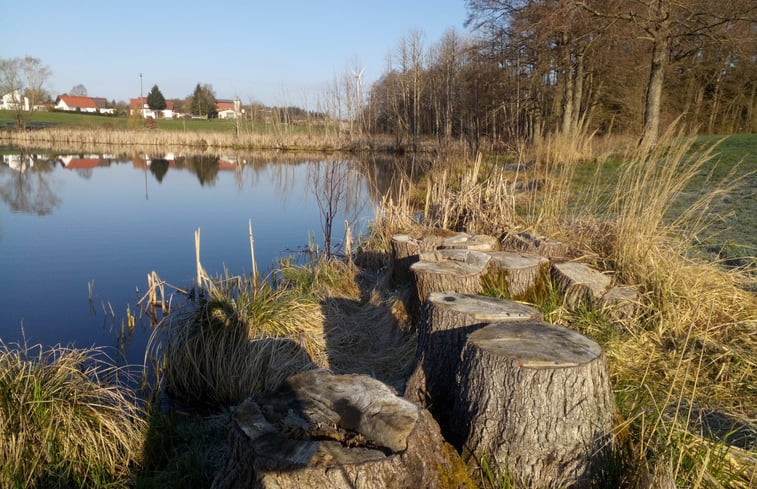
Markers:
{"x": 71, "y": 221}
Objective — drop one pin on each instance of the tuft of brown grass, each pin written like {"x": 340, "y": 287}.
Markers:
{"x": 65, "y": 419}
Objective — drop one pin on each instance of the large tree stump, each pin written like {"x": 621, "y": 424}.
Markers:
{"x": 580, "y": 283}
{"x": 540, "y": 245}
{"x": 518, "y": 272}
{"x": 446, "y": 321}
{"x": 336, "y": 432}
{"x": 535, "y": 399}
{"x": 449, "y": 271}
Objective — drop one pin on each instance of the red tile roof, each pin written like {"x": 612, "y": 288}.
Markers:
{"x": 78, "y": 163}
{"x": 77, "y": 101}
{"x": 137, "y": 103}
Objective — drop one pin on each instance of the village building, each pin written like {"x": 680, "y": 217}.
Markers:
{"x": 14, "y": 101}
{"x": 139, "y": 106}
{"x": 80, "y": 103}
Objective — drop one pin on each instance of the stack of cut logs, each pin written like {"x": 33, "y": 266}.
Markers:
{"x": 531, "y": 398}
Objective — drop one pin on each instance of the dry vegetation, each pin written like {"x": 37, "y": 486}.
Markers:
{"x": 683, "y": 367}
{"x": 66, "y": 419}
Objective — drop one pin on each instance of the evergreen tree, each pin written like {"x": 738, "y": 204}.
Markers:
{"x": 155, "y": 99}
{"x": 204, "y": 101}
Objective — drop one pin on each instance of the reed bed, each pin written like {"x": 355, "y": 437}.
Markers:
{"x": 147, "y": 140}
{"x": 66, "y": 420}
{"x": 683, "y": 366}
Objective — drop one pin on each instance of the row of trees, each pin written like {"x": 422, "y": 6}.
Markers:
{"x": 533, "y": 66}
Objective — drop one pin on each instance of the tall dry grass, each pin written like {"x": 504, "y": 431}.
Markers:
{"x": 65, "y": 419}
{"x": 683, "y": 367}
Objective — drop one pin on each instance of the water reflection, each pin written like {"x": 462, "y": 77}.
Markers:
{"x": 109, "y": 219}
{"x": 27, "y": 184}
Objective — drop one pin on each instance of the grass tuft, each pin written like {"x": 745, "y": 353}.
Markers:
{"x": 66, "y": 420}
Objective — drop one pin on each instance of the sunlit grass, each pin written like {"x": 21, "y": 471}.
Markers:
{"x": 65, "y": 419}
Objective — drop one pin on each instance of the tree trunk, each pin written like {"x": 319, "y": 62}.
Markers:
{"x": 535, "y": 399}
{"x": 449, "y": 271}
{"x": 336, "y": 432}
{"x": 653, "y": 100}
{"x": 446, "y": 322}
{"x": 519, "y": 273}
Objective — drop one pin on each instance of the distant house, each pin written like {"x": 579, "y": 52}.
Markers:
{"x": 78, "y": 103}
{"x": 14, "y": 101}
{"x": 228, "y": 109}
{"x": 140, "y": 104}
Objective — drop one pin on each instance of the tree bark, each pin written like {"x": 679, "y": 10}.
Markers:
{"x": 336, "y": 432}
{"x": 446, "y": 322}
{"x": 653, "y": 99}
{"x": 520, "y": 272}
{"x": 535, "y": 399}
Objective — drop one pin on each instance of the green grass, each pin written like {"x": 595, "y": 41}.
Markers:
{"x": 83, "y": 120}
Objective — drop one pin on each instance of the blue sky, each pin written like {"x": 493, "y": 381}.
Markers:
{"x": 275, "y": 52}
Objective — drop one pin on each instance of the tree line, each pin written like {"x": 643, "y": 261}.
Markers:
{"x": 534, "y": 66}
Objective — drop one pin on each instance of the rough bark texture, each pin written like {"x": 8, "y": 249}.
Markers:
{"x": 520, "y": 272}
{"x": 540, "y": 245}
{"x": 535, "y": 399}
{"x": 449, "y": 271}
{"x": 446, "y": 322}
{"x": 337, "y": 432}
{"x": 579, "y": 282}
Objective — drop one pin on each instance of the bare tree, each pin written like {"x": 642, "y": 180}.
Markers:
{"x": 78, "y": 90}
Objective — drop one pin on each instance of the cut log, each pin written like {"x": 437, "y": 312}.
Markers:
{"x": 446, "y": 322}
{"x": 449, "y": 271}
{"x": 337, "y": 432}
{"x": 580, "y": 283}
{"x": 520, "y": 273}
{"x": 535, "y": 399}
{"x": 540, "y": 245}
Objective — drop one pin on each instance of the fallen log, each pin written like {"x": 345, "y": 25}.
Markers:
{"x": 535, "y": 399}
{"x": 446, "y": 322}
{"x": 336, "y": 432}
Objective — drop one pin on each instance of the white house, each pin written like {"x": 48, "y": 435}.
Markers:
{"x": 14, "y": 101}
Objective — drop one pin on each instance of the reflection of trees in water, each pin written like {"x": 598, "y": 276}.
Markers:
{"x": 159, "y": 168}
{"x": 32, "y": 190}
{"x": 204, "y": 166}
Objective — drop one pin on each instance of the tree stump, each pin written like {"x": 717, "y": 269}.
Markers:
{"x": 465, "y": 241}
{"x": 535, "y": 399}
{"x": 579, "y": 282}
{"x": 540, "y": 245}
{"x": 518, "y": 272}
{"x": 446, "y": 322}
{"x": 620, "y": 302}
{"x": 449, "y": 271}
{"x": 336, "y": 432}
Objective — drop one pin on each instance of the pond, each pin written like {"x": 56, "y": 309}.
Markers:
{"x": 80, "y": 233}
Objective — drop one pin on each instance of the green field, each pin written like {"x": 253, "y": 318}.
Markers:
{"x": 73, "y": 119}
